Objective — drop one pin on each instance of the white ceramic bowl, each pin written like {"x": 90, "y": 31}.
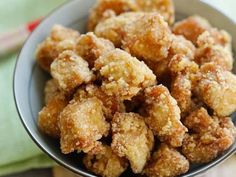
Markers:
{"x": 29, "y": 79}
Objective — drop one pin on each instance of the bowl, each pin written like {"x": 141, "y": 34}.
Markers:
{"x": 29, "y": 79}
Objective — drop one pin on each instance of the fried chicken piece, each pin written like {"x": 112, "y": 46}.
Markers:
{"x": 217, "y": 88}
{"x": 180, "y": 45}
{"x": 210, "y": 52}
{"x": 164, "y": 116}
{"x": 211, "y": 137}
{"x": 149, "y": 38}
{"x": 181, "y": 90}
{"x": 90, "y": 47}
{"x": 106, "y": 164}
{"x": 182, "y": 64}
{"x": 50, "y": 90}
{"x": 200, "y": 121}
{"x": 113, "y": 28}
{"x": 166, "y": 162}
{"x": 164, "y": 7}
{"x": 111, "y": 104}
{"x": 131, "y": 138}
{"x": 117, "y": 6}
{"x": 191, "y": 27}
{"x": 70, "y": 70}
{"x": 82, "y": 124}
{"x": 59, "y": 40}
{"x": 123, "y": 75}
{"x": 48, "y": 117}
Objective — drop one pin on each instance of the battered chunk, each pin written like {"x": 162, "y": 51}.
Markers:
{"x": 70, "y": 71}
{"x": 149, "y": 38}
{"x": 164, "y": 116}
{"x": 106, "y": 164}
{"x": 217, "y": 88}
{"x": 113, "y": 28}
{"x": 123, "y": 75}
{"x": 48, "y": 117}
{"x": 90, "y": 47}
{"x": 111, "y": 103}
{"x": 166, "y": 162}
{"x": 211, "y": 136}
{"x": 59, "y": 40}
{"x": 210, "y": 52}
{"x": 131, "y": 138}
{"x": 50, "y": 90}
{"x": 82, "y": 124}
{"x": 164, "y": 7}
{"x": 117, "y": 6}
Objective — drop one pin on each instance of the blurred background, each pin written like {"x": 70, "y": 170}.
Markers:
{"x": 18, "y": 154}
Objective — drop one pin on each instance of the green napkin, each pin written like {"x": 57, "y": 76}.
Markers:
{"x": 17, "y": 150}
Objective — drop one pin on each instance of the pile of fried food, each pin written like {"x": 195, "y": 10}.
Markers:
{"x": 139, "y": 89}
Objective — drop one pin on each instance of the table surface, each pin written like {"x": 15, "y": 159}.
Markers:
{"x": 227, "y": 169}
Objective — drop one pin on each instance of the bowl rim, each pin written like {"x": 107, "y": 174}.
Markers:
{"x": 61, "y": 162}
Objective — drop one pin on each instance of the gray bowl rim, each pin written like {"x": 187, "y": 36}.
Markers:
{"x": 80, "y": 172}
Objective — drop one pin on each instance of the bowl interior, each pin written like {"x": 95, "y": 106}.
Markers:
{"x": 29, "y": 79}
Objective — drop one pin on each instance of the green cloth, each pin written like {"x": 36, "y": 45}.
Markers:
{"x": 17, "y": 151}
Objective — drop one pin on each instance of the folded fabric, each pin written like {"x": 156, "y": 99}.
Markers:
{"x": 17, "y": 151}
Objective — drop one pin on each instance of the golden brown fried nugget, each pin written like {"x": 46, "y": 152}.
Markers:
{"x": 180, "y": 45}
{"x": 82, "y": 124}
{"x": 111, "y": 103}
{"x": 166, "y": 162}
{"x": 59, "y": 40}
{"x": 117, "y": 6}
{"x": 50, "y": 90}
{"x": 90, "y": 47}
{"x": 48, "y": 117}
{"x": 217, "y": 88}
{"x": 122, "y": 74}
{"x": 131, "y": 138}
{"x": 181, "y": 90}
{"x": 105, "y": 164}
{"x": 70, "y": 71}
{"x": 208, "y": 51}
{"x": 149, "y": 38}
{"x": 164, "y": 116}
{"x": 211, "y": 136}
{"x": 191, "y": 27}
{"x": 113, "y": 28}
{"x": 164, "y": 7}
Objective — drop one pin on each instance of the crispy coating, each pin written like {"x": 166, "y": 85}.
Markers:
{"x": 123, "y": 74}
{"x": 106, "y": 164}
{"x": 48, "y": 117}
{"x": 182, "y": 64}
{"x": 164, "y": 7}
{"x": 181, "y": 90}
{"x": 180, "y": 45}
{"x": 217, "y": 88}
{"x": 82, "y": 124}
{"x": 131, "y": 138}
{"x": 113, "y": 28}
{"x": 111, "y": 103}
{"x": 70, "y": 71}
{"x": 191, "y": 27}
{"x": 59, "y": 40}
{"x": 149, "y": 38}
{"x": 117, "y": 6}
{"x": 166, "y": 162}
{"x": 211, "y": 136}
{"x": 164, "y": 116}
{"x": 208, "y": 51}
{"x": 90, "y": 47}
{"x": 50, "y": 90}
